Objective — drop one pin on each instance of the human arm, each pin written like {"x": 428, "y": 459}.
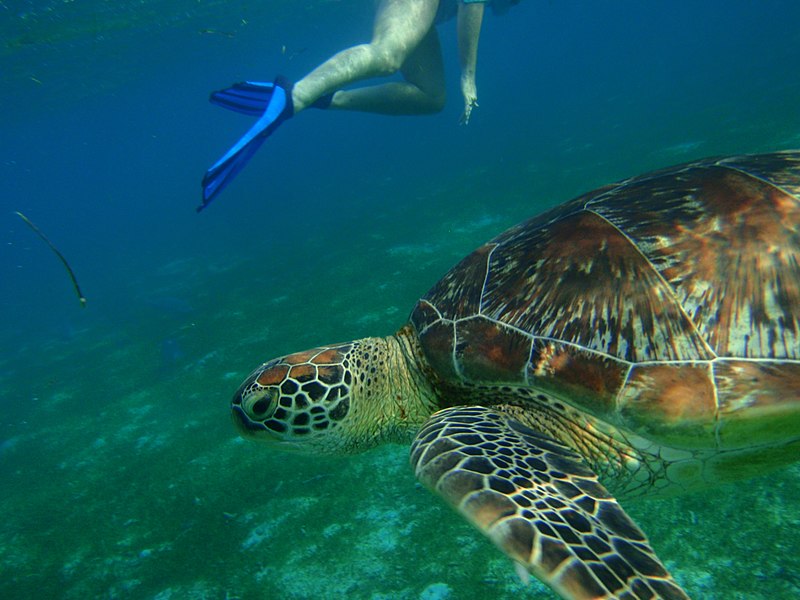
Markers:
{"x": 470, "y": 17}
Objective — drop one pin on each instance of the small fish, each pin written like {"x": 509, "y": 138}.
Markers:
{"x": 227, "y": 34}
{"x": 170, "y": 305}
{"x": 292, "y": 54}
{"x": 171, "y": 352}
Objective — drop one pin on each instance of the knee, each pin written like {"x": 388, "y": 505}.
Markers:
{"x": 436, "y": 102}
{"x": 386, "y": 61}
{"x": 432, "y": 100}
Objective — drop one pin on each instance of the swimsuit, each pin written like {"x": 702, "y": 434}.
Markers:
{"x": 449, "y": 8}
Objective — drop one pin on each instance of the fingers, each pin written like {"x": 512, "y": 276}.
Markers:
{"x": 468, "y": 106}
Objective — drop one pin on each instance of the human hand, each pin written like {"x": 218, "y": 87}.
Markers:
{"x": 470, "y": 93}
{"x": 468, "y": 106}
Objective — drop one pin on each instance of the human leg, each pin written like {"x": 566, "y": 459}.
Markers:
{"x": 400, "y": 28}
{"x": 403, "y": 39}
{"x": 422, "y": 92}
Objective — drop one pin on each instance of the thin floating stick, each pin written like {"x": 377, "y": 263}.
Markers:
{"x": 36, "y": 230}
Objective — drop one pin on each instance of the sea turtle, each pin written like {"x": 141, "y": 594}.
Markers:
{"x": 641, "y": 339}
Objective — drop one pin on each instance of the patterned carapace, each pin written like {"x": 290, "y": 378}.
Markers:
{"x": 671, "y": 300}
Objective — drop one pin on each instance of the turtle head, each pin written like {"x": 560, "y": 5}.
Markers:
{"x": 341, "y": 398}
{"x": 297, "y": 399}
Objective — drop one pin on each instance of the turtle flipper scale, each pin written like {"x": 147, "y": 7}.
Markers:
{"x": 540, "y": 503}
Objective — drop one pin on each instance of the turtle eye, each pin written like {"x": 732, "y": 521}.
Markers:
{"x": 261, "y": 405}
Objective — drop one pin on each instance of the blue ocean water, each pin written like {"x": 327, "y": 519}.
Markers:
{"x": 122, "y": 476}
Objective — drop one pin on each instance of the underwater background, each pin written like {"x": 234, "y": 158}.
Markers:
{"x": 121, "y": 475}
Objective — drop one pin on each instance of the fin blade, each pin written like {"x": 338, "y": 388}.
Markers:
{"x": 279, "y": 108}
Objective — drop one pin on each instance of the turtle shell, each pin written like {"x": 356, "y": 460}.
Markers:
{"x": 667, "y": 303}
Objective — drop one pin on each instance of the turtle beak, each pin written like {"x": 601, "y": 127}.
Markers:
{"x": 244, "y": 426}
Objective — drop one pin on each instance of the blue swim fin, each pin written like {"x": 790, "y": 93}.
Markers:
{"x": 246, "y": 97}
{"x": 278, "y": 108}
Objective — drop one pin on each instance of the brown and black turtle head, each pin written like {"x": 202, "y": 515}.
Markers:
{"x": 341, "y": 398}
{"x": 297, "y": 400}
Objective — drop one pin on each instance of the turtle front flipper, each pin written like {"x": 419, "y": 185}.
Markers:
{"x": 540, "y": 503}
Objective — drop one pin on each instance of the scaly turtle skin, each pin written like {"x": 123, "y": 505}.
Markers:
{"x": 639, "y": 340}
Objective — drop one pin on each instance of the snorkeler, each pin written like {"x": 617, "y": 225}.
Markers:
{"x": 404, "y": 39}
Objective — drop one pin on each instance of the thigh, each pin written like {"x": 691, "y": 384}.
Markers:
{"x": 400, "y": 25}
{"x": 424, "y": 67}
